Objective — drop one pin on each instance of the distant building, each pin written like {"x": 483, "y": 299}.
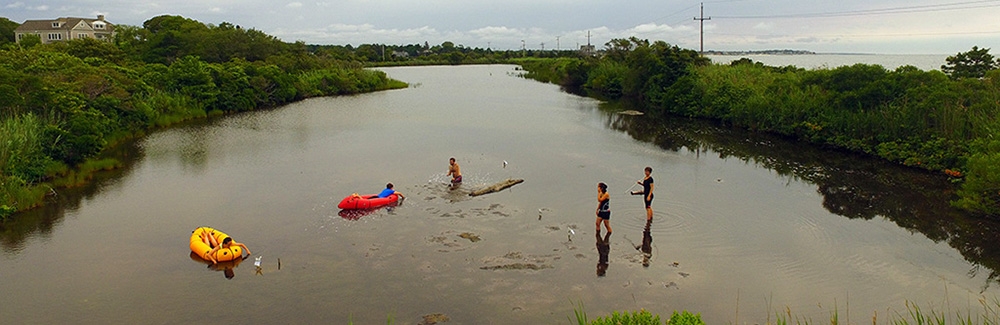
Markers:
{"x": 588, "y": 49}
{"x": 67, "y": 28}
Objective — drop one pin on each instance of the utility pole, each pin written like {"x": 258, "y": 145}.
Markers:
{"x": 557, "y": 43}
{"x": 543, "y": 46}
{"x": 702, "y": 20}
{"x": 523, "y": 50}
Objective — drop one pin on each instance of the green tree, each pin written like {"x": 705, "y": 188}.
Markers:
{"x": 172, "y": 37}
{"x": 131, "y": 40}
{"x": 447, "y": 47}
{"x": 30, "y": 40}
{"x": 455, "y": 57}
{"x": 972, "y": 64}
{"x": 619, "y": 48}
{"x": 93, "y": 48}
{"x": 193, "y": 77}
{"x": 981, "y": 191}
{"x": 7, "y": 28}
{"x": 369, "y": 52}
{"x": 235, "y": 92}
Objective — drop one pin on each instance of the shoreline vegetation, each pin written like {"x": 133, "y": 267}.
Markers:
{"x": 945, "y": 121}
{"x": 63, "y": 104}
{"x": 913, "y": 314}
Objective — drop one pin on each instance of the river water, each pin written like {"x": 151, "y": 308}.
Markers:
{"x": 745, "y": 225}
{"x": 924, "y": 62}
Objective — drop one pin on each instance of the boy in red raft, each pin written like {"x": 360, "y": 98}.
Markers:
{"x": 384, "y": 194}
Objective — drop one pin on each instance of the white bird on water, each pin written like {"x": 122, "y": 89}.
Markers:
{"x": 504, "y": 164}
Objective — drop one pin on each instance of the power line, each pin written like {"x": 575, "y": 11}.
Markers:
{"x": 883, "y": 11}
{"x": 676, "y": 13}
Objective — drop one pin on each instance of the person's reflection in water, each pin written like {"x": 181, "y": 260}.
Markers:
{"x": 228, "y": 268}
{"x": 603, "y": 248}
{"x": 647, "y": 244}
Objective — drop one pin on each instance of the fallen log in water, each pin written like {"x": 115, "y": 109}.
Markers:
{"x": 496, "y": 187}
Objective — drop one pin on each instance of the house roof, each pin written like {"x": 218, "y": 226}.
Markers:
{"x": 67, "y": 23}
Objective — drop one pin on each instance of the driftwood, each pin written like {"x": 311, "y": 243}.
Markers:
{"x": 496, "y": 187}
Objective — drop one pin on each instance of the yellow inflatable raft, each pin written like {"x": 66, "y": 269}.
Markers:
{"x": 201, "y": 248}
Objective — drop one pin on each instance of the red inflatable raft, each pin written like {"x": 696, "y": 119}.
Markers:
{"x": 369, "y": 201}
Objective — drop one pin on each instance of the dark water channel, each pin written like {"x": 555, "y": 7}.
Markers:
{"x": 745, "y": 225}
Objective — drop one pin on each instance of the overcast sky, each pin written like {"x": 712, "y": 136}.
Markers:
{"x": 843, "y": 26}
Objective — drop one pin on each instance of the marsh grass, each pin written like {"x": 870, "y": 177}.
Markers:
{"x": 989, "y": 314}
{"x": 640, "y": 317}
{"x": 16, "y": 196}
{"x": 912, "y": 315}
{"x": 22, "y": 163}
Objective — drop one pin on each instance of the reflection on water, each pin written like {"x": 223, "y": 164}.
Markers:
{"x": 853, "y": 186}
{"x": 355, "y": 214}
{"x": 603, "y": 248}
{"x": 647, "y": 244}
{"x": 41, "y": 221}
{"x": 228, "y": 268}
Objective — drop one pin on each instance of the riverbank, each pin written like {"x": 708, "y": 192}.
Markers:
{"x": 65, "y": 103}
{"x": 916, "y": 118}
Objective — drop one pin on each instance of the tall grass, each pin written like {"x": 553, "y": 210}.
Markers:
{"x": 913, "y": 315}
{"x": 20, "y": 145}
{"x": 22, "y": 162}
{"x": 641, "y": 317}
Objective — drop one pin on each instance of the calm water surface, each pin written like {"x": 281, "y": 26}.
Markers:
{"x": 744, "y": 226}
{"x": 924, "y": 62}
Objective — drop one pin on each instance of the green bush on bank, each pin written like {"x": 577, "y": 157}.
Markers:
{"x": 917, "y": 118}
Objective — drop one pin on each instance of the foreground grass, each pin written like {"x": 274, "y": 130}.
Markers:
{"x": 913, "y": 314}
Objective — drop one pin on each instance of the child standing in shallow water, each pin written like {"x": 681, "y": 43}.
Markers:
{"x": 454, "y": 171}
{"x": 603, "y": 207}
{"x": 647, "y": 192}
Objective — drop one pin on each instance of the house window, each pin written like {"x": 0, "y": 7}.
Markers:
{"x": 20, "y": 37}
{"x": 98, "y": 26}
{"x": 55, "y": 36}
{"x": 82, "y": 35}
{"x": 55, "y": 24}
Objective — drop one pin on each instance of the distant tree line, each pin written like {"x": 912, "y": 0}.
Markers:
{"x": 447, "y": 53}
{"x": 946, "y": 121}
{"x": 63, "y": 103}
